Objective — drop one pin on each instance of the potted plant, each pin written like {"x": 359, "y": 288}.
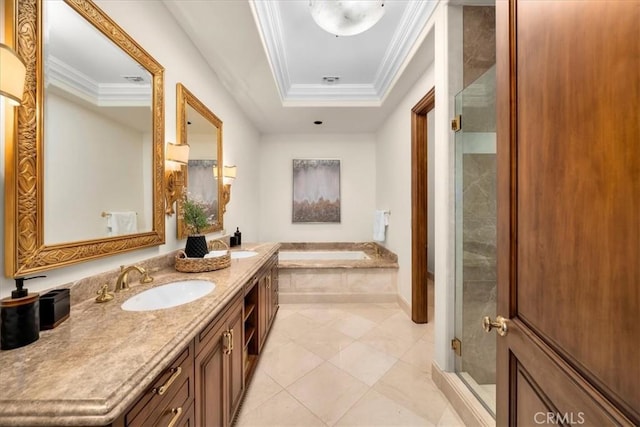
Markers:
{"x": 195, "y": 217}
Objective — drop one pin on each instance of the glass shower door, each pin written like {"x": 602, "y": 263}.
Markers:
{"x": 475, "y": 242}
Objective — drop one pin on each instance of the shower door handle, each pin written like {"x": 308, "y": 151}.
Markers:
{"x": 500, "y": 324}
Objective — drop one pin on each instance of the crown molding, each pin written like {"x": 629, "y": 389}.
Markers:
{"x": 409, "y": 29}
{"x": 62, "y": 75}
{"x": 267, "y": 15}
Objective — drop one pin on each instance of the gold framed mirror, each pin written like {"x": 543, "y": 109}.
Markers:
{"x": 87, "y": 148}
{"x": 201, "y": 129}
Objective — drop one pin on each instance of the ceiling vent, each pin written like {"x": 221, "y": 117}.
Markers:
{"x": 330, "y": 80}
{"x": 134, "y": 79}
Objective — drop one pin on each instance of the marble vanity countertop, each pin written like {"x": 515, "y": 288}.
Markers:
{"x": 92, "y": 367}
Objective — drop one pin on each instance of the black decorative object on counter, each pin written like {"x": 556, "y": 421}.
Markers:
{"x": 20, "y": 316}
{"x": 238, "y": 236}
{"x": 196, "y": 246}
{"x": 54, "y": 308}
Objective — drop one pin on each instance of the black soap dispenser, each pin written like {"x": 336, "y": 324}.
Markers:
{"x": 19, "y": 317}
{"x": 238, "y": 236}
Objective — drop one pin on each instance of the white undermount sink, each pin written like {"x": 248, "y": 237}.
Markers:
{"x": 242, "y": 254}
{"x": 169, "y": 295}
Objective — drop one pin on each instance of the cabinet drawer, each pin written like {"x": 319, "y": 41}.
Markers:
{"x": 172, "y": 412}
{"x": 172, "y": 389}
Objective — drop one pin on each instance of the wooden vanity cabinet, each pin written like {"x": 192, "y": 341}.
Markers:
{"x": 219, "y": 370}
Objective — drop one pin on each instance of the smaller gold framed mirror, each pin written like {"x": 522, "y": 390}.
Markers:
{"x": 201, "y": 129}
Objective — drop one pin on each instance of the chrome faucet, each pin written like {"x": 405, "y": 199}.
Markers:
{"x": 122, "y": 283}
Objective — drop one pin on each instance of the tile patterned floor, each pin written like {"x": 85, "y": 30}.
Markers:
{"x": 346, "y": 365}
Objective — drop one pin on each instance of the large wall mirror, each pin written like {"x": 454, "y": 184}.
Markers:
{"x": 84, "y": 175}
{"x": 202, "y": 130}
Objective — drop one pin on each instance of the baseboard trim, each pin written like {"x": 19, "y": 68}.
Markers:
{"x": 404, "y": 305}
{"x": 328, "y": 298}
{"x": 466, "y": 405}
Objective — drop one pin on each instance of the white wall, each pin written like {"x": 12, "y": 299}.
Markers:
{"x": 393, "y": 179}
{"x": 162, "y": 38}
{"x": 448, "y": 78}
{"x": 356, "y": 153}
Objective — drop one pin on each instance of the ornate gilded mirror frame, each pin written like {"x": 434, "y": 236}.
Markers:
{"x": 25, "y": 250}
{"x": 185, "y": 98}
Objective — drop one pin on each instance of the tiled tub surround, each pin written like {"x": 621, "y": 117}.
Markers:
{"x": 93, "y": 366}
{"x": 338, "y": 280}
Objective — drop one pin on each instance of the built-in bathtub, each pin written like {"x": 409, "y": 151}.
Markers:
{"x": 323, "y": 255}
{"x": 337, "y": 272}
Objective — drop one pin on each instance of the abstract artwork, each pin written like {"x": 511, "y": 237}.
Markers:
{"x": 316, "y": 190}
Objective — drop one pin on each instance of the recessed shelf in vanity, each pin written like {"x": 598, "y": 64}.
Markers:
{"x": 260, "y": 307}
{"x": 251, "y": 348}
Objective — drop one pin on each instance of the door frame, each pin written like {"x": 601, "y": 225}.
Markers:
{"x": 419, "y": 207}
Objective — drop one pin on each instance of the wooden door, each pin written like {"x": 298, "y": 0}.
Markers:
{"x": 235, "y": 368}
{"x": 568, "y": 76}
{"x": 263, "y": 308}
{"x": 275, "y": 289}
{"x": 420, "y": 208}
{"x": 210, "y": 396}
{"x": 219, "y": 378}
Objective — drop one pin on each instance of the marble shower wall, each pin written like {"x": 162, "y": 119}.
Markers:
{"x": 479, "y": 265}
{"x": 479, "y": 41}
{"x": 479, "y": 195}
{"x": 479, "y": 55}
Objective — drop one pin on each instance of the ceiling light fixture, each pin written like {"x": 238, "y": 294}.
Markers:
{"x": 346, "y": 18}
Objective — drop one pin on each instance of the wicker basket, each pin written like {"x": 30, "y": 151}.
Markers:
{"x": 199, "y": 265}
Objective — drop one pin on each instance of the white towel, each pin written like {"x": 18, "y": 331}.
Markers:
{"x": 122, "y": 223}
{"x": 380, "y": 222}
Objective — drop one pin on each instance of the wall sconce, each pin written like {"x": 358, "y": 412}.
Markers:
{"x": 228, "y": 176}
{"x": 176, "y": 157}
{"x": 12, "y": 75}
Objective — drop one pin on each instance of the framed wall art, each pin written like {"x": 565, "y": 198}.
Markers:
{"x": 316, "y": 191}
